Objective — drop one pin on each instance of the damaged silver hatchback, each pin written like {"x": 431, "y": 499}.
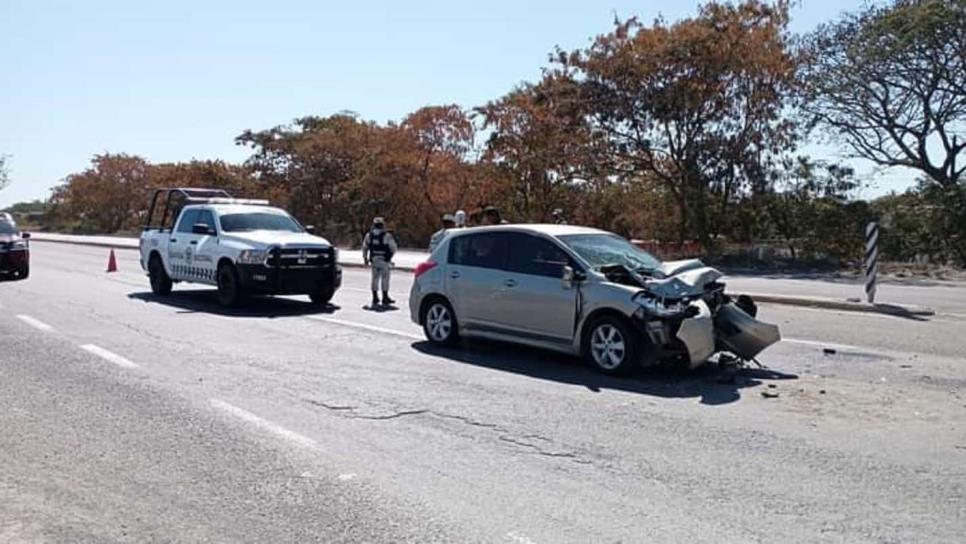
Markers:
{"x": 581, "y": 291}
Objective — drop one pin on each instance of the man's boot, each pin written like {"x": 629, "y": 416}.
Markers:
{"x": 386, "y": 300}
{"x": 375, "y": 298}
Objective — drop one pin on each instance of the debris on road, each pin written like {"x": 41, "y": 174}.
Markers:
{"x": 829, "y": 351}
{"x": 769, "y": 394}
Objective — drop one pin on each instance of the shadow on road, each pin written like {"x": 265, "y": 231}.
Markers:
{"x": 713, "y": 384}
{"x": 206, "y": 301}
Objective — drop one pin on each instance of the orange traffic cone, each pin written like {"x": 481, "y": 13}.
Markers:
{"x": 111, "y": 263}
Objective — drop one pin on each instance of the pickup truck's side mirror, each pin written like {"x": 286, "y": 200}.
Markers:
{"x": 202, "y": 228}
{"x": 25, "y": 235}
{"x": 310, "y": 229}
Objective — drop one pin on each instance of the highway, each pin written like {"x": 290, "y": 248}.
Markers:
{"x": 125, "y": 417}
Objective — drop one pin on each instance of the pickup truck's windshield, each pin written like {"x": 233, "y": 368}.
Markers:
{"x": 241, "y": 222}
{"x": 605, "y": 249}
{"x": 8, "y": 228}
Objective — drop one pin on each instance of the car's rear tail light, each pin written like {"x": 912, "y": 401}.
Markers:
{"x": 424, "y": 267}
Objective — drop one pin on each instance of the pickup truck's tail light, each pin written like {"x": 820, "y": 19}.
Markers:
{"x": 423, "y": 267}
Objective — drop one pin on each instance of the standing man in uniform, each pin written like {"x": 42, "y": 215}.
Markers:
{"x": 378, "y": 248}
{"x": 449, "y": 222}
{"x": 492, "y": 216}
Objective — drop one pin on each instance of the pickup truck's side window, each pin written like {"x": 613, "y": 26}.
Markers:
{"x": 188, "y": 218}
{"x": 206, "y": 218}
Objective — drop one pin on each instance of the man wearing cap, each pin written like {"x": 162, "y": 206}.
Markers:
{"x": 378, "y": 248}
{"x": 448, "y": 222}
{"x": 491, "y": 216}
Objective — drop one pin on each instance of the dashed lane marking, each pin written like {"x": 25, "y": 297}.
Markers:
{"x": 518, "y": 538}
{"x": 109, "y": 356}
{"x": 36, "y": 323}
{"x": 264, "y": 424}
{"x": 366, "y": 327}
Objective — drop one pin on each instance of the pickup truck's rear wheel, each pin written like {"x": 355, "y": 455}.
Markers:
{"x": 24, "y": 272}
{"x": 323, "y": 295}
{"x": 160, "y": 281}
{"x": 229, "y": 288}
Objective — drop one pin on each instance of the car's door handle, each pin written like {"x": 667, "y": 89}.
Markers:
{"x": 173, "y": 240}
{"x": 510, "y": 283}
{"x": 454, "y": 274}
{"x": 194, "y": 242}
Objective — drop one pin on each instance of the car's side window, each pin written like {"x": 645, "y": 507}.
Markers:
{"x": 206, "y": 218}
{"x": 188, "y": 218}
{"x": 483, "y": 250}
{"x": 535, "y": 256}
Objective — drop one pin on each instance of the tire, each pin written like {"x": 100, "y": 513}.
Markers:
{"x": 24, "y": 272}
{"x": 610, "y": 346}
{"x": 323, "y": 295}
{"x": 160, "y": 281}
{"x": 439, "y": 323}
{"x": 229, "y": 288}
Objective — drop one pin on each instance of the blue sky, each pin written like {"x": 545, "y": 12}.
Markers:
{"x": 176, "y": 80}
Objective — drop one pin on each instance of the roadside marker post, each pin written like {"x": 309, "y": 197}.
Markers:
{"x": 871, "y": 260}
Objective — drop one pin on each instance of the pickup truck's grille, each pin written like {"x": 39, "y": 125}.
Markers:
{"x": 301, "y": 257}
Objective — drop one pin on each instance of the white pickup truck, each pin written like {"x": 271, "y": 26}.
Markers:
{"x": 241, "y": 246}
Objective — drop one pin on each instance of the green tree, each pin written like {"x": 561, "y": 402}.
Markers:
{"x": 890, "y": 82}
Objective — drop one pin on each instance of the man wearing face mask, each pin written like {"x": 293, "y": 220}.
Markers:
{"x": 378, "y": 248}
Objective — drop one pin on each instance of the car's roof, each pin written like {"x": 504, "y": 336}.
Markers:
{"x": 549, "y": 229}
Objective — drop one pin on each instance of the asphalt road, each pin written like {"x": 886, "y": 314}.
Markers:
{"x": 126, "y": 417}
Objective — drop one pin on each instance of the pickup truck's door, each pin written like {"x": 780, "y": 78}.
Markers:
{"x": 191, "y": 257}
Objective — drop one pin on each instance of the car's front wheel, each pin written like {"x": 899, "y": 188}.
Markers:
{"x": 229, "y": 288}
{"x": 160, "y": 281}
{"x": 24, "y": 272}
{"x": 611, "y": 347}
{"x": 439, "y": 323}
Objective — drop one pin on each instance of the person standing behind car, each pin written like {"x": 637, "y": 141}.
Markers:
{"x": 448, "y": 222}
{"x": 460, "y": 219}
{"x": 491, "y": 216}
{"x": 378, "y": 248}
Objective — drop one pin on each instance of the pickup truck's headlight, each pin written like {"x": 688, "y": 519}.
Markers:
{"x": 252, "y": 256}
{"x": 657, "y": 307}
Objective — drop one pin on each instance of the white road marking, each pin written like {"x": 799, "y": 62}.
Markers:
{"x": 346, "y": 477}
{"x": 364, "y": 326}
{"x": 109, "y": 356}
{"x": 518, "y": 538}
{"x": 36, "y": 323}
{"x": 264, "y": 424}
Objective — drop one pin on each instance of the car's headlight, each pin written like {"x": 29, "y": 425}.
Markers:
{"x": 657, "y": 307}
{"x": 252, "y": 256}
{"x": 18, "y": 244}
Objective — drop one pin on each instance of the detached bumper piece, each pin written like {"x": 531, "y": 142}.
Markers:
{"x": 292, "y": 272}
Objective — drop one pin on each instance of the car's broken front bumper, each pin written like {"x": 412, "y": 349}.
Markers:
{"x": 700, "y": 336}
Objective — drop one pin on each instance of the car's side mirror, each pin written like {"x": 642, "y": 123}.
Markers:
{"x": 201, "y": 228}
{"x": 25, "y": 235}
{"x": 310, "y": 229}
{"x": 568, "y": 277}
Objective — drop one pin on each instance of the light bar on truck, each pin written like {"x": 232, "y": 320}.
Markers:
{"x": 242, "y": 201}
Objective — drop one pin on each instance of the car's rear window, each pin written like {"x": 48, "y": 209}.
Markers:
{"x": 483, "y": 250}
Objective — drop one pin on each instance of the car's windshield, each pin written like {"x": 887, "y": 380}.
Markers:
{"x": 604, "y": 249}
{"x": 239, "y": 222}
{"x": 8, "y": 228}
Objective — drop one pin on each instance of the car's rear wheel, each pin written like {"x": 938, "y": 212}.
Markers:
{"x": 160, "y": 281}
{"x": 439, "y": 323}
{"x": 323, "y": 295}
{"x": 611, "y": 347}
{"x": 229, "y": 289}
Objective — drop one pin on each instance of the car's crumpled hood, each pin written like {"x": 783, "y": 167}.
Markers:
{"x": 268, "y": 238}
{"x": 678, "y": 279}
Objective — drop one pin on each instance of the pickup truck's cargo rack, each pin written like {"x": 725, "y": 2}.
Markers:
{"x": 176, "y": 198}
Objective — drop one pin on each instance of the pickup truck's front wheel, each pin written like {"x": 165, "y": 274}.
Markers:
{"x": 160, "y": 281}
{"x": 229, "y": 288}
{"x": 323, "y": 295}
